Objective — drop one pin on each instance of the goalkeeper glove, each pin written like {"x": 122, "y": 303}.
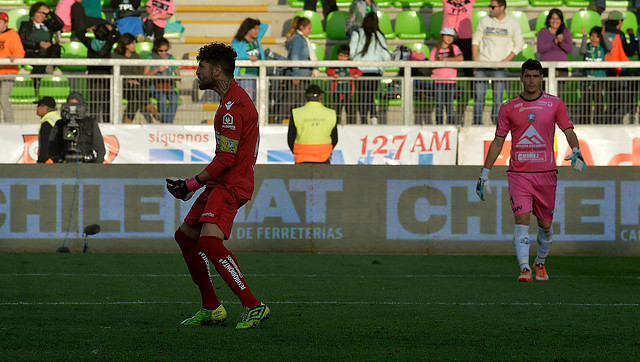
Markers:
{"x": 483, "y": 187}
{"x": 577, "y": 162}
{"x": 183, "y": 189}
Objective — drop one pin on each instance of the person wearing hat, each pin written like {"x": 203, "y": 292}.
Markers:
{"x": 313, "y": 131}
{"x": 10, "y": 47}
{"x": 457, "y": 14}
{"x": 48, "y": 114}
{"x": 90, "y": 144}
{"x": 445, "y": 50}
{"x": 620, "y": 99}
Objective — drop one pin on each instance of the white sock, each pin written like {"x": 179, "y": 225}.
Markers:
{"x": 545, "y": 239}
{"x": 521, "y": 244}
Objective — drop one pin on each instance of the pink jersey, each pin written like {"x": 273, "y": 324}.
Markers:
{"x": 532, "y": 125}
{"x": 161, "y": 7}
{"x": 457, "y": 14}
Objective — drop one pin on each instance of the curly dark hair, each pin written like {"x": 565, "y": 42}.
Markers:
{"x": 219, "y": 54}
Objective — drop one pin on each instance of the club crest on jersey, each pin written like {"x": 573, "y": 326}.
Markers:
{"x": 228, "y": 105}
{"x": 227, "y": 121}
{"x": 531, "y": 117}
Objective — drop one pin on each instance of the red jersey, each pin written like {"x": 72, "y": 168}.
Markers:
{"x": 532, "y": 125}
{"x": 237, "y": 140}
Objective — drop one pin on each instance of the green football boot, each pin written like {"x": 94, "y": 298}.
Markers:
{"x": 251, "y": 317}
{"x": 206, "y": 316}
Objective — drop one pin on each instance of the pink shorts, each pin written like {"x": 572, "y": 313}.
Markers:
{"x": 217, "y": 206}
{"x": 533, "y": 192}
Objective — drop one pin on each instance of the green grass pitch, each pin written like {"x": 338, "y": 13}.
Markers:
{"x": 324, "y": 307}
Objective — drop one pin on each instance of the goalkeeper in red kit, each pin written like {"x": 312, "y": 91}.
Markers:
{"x": 228, "y": 182}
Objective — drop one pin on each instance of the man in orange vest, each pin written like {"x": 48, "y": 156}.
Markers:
{"x": 10, "y": 47}
{"x": 313, "y": 131}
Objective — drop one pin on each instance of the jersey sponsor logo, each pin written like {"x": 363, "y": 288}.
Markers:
{"x": 227, "y": 121}
{"x": 528, "y": 108}
{"x": 518, "y": 105}
{"x": 531, "y": 117}
{"x": 208, "y": 214}
{"x": 539, "y": 156}
{"x": 228, "y": 105}
{"x": 531, "y": 138}
{"x": 545, "y": 103}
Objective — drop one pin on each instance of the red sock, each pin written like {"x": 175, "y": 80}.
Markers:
{"x": 227, "y": 266}
{"x": 198, "y": 268}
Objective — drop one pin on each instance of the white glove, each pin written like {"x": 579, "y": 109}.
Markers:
{"x": 577, "y": 162}
{"x": 483, "y": 187}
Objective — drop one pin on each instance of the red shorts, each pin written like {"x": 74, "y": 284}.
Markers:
{"x": 533, "y": 192}
{"x": 217, "y": 206}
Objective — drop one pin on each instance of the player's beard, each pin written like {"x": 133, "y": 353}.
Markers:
{"x": 206, "y": 83}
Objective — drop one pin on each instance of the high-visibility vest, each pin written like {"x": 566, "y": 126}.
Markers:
{"x": 314, "y": 124}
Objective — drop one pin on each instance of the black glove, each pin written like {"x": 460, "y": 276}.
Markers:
{"x": 182, "y": 189}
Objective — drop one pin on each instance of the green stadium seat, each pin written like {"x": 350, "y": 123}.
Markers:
{"x": 619, "y": 4}
{"x": 577, "y": 3}
{"x": 542, "y": 18}
{"x": 409, "y": 3}
{"x": 300, "y": 3}
{"x": 527, "y": 52}
{"x": 384, "y": 97}
{"x": 317, "y": 31}
{"x": 435, "y": 25}
{"x": 517, "y": 3}
{"x": 630, "y": 22}
{"x": 522, "y": 18}
{"x": 476, "y": 16}
{"x": 411, "y": 25}
{"x": 74, "y": 50}
{"x": 384, "y": 24}
{"x": 385, "y": 3}
{"x": 171, "y": 25}
{"x": 586, "y": 18}
{"x": 547, "y": 3}
{"x": 16, "y": 17}
{"x": 482, "y": 4}
{"x": 391, "y": 69}
{"x": 335, "y": 25}
{"x": 143, "y": 49}
{"x": 11, "y": 3}
{"x": 420, "y": 48}
{"x": 435, "y": 3}
{"x": 56, "y": 87}
{"x": 23, "y": 91}
{"x": 49, "y": 3}
{"x": 343, "y": 3}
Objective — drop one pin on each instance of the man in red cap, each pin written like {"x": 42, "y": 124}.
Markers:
{"x": 10, "y": 47}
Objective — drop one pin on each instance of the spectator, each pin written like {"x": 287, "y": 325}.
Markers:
{"x": 343, "y": 89}
{"x": 127, "y": 18}
{"x": 357, "y": 11}
{"x": 555, "y": 43}
{"x": 46, "y": 110}
{"x": 158, "y": 12}
{"x": 593, "y": 50}
{"x": 619, "y": 99}
{"x": 328, "y": 6}
{"x": 11, "y": 47}
{"x": 75, "y": 18}
{"x": 445, "y": 50}
{"x": 313, "y": 131}
{"x": 37, "y": 36}
{"x": 369, "y": 44}
{"x": 99, "y": 88}
{"x": 164, "y": 91}
{"x": 457, "y": 14}
{"x": 89, "y": 146}
{"x": 299, "y": 48}
{"x": 247, "y": 43}
{"x": 497, "y": 38}
{"x": 134, "y": 89}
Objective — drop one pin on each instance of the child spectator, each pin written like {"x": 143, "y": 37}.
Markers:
{"x": 159, "y": 11}
{"x": 445, "y": 90}
{"x": 593, "y": 50}
{"x": 342, "y": 90}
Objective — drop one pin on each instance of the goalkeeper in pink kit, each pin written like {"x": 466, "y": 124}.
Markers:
{"x": 532, "y": 174}
{"x": 229, "y": 185}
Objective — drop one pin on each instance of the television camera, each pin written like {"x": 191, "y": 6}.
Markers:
{"x": 72, "y": 115}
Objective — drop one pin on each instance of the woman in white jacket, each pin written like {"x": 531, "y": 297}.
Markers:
{"x": 368, "y": 44}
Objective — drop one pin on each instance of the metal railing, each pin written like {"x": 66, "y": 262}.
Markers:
{"x": 396, "y": 99}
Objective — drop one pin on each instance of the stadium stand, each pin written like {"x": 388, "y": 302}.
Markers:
{"x": 411, "y": 25}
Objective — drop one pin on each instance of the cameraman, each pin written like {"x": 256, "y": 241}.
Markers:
{"x": 76, "y": 137}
